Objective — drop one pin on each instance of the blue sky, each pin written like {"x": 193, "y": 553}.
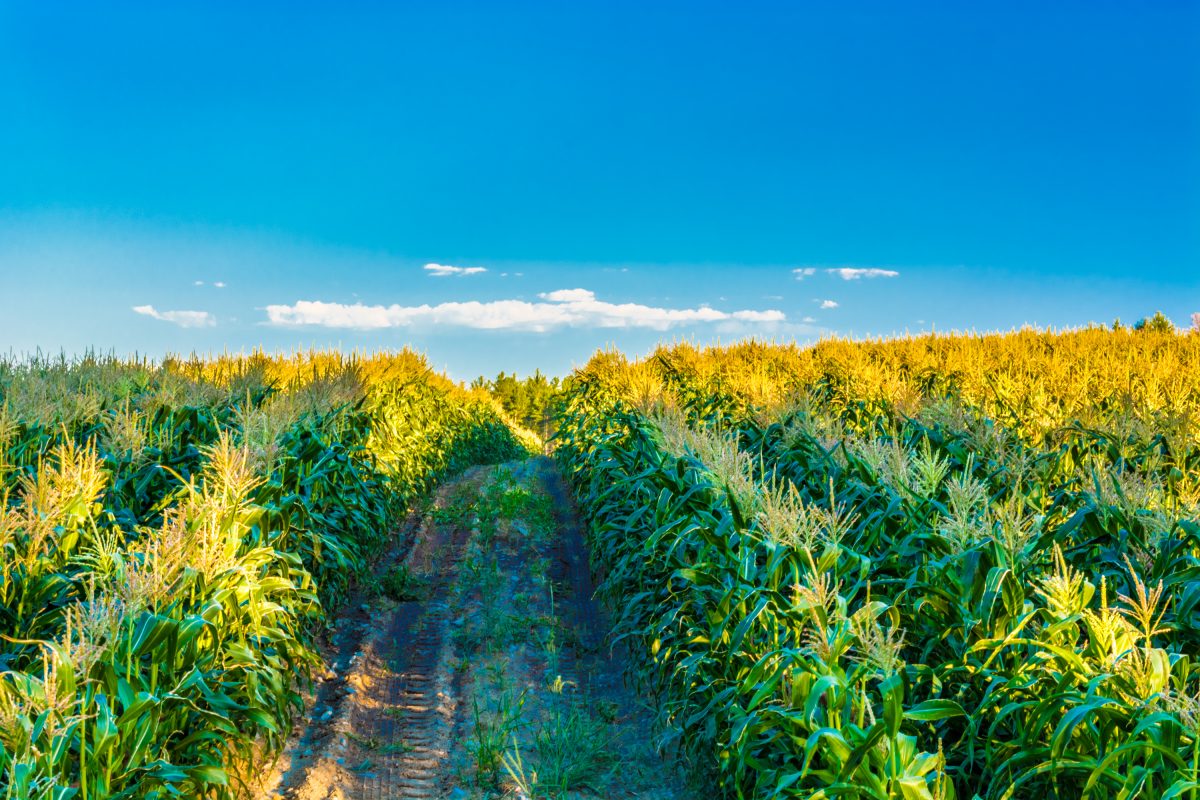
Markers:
{"x": 620, "y": 172}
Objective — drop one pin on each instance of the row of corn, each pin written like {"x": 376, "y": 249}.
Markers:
{"x": 172, "y": 536}
{"x": 855, "y": 571}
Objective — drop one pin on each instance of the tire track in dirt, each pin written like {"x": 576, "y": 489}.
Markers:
{"x": 597, "y": 667}
{"x": 583, "y": 613}
{"x": 409, "y": 710}
{"x": 387, "y": 734}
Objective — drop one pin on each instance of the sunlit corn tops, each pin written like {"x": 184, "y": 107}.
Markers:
{"x": 1032, "y": 380}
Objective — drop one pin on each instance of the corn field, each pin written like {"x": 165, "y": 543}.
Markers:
{"x": 938, "y": 567}
{"x": 173, "y": 536}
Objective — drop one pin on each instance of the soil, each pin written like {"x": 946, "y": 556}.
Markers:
{"x": 490, "y": 678}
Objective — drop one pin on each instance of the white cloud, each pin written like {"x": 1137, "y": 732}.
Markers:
{"x": 804, "y": 272}
{"x": 442, "y": 270}
{"x": 557, "y": 309}
{"x": 569, "y": 296}
{"x": 184, "y": 319}
{"x": 856, "y": 273}
{"x": 198, "y": 283}
{"x": 771, "y": 315}
{"x": 809, "y": 320}
{"x": 219, "y": 284}
{"x": 827, "y": 303}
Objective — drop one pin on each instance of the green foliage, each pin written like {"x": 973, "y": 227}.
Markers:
{"x": 492, "y": 726}
{"x": 571, "y": 749}
{"x": 530, "y": 400}
{"x": 400, "y": 584}
{"x": 1159, "y": 323}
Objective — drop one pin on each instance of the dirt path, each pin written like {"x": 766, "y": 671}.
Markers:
{"x": 477, "y": 667}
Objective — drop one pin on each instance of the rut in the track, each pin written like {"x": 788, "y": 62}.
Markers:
{"x": 381, "y": 726}
{"x": 582, "y": 611}
{"x": 408, "y": 708}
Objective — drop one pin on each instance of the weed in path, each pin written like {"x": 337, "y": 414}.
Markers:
{"x": 400, "y": 584}
{"x": 492, "y": 730}
{"x": 570, "y": 749}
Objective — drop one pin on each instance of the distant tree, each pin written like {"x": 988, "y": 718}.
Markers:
{"x": 529, "y": 401}
{"x": 1117, "y": 326}
{"x": 1159, "y": 323}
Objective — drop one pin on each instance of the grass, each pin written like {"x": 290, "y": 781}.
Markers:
{"x": 493, "y": 726}
{"x": 571, "y": 749}
{"x": 398, "y": 583}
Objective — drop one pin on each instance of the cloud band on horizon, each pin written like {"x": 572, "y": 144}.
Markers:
{"x": 557, "y": 309}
